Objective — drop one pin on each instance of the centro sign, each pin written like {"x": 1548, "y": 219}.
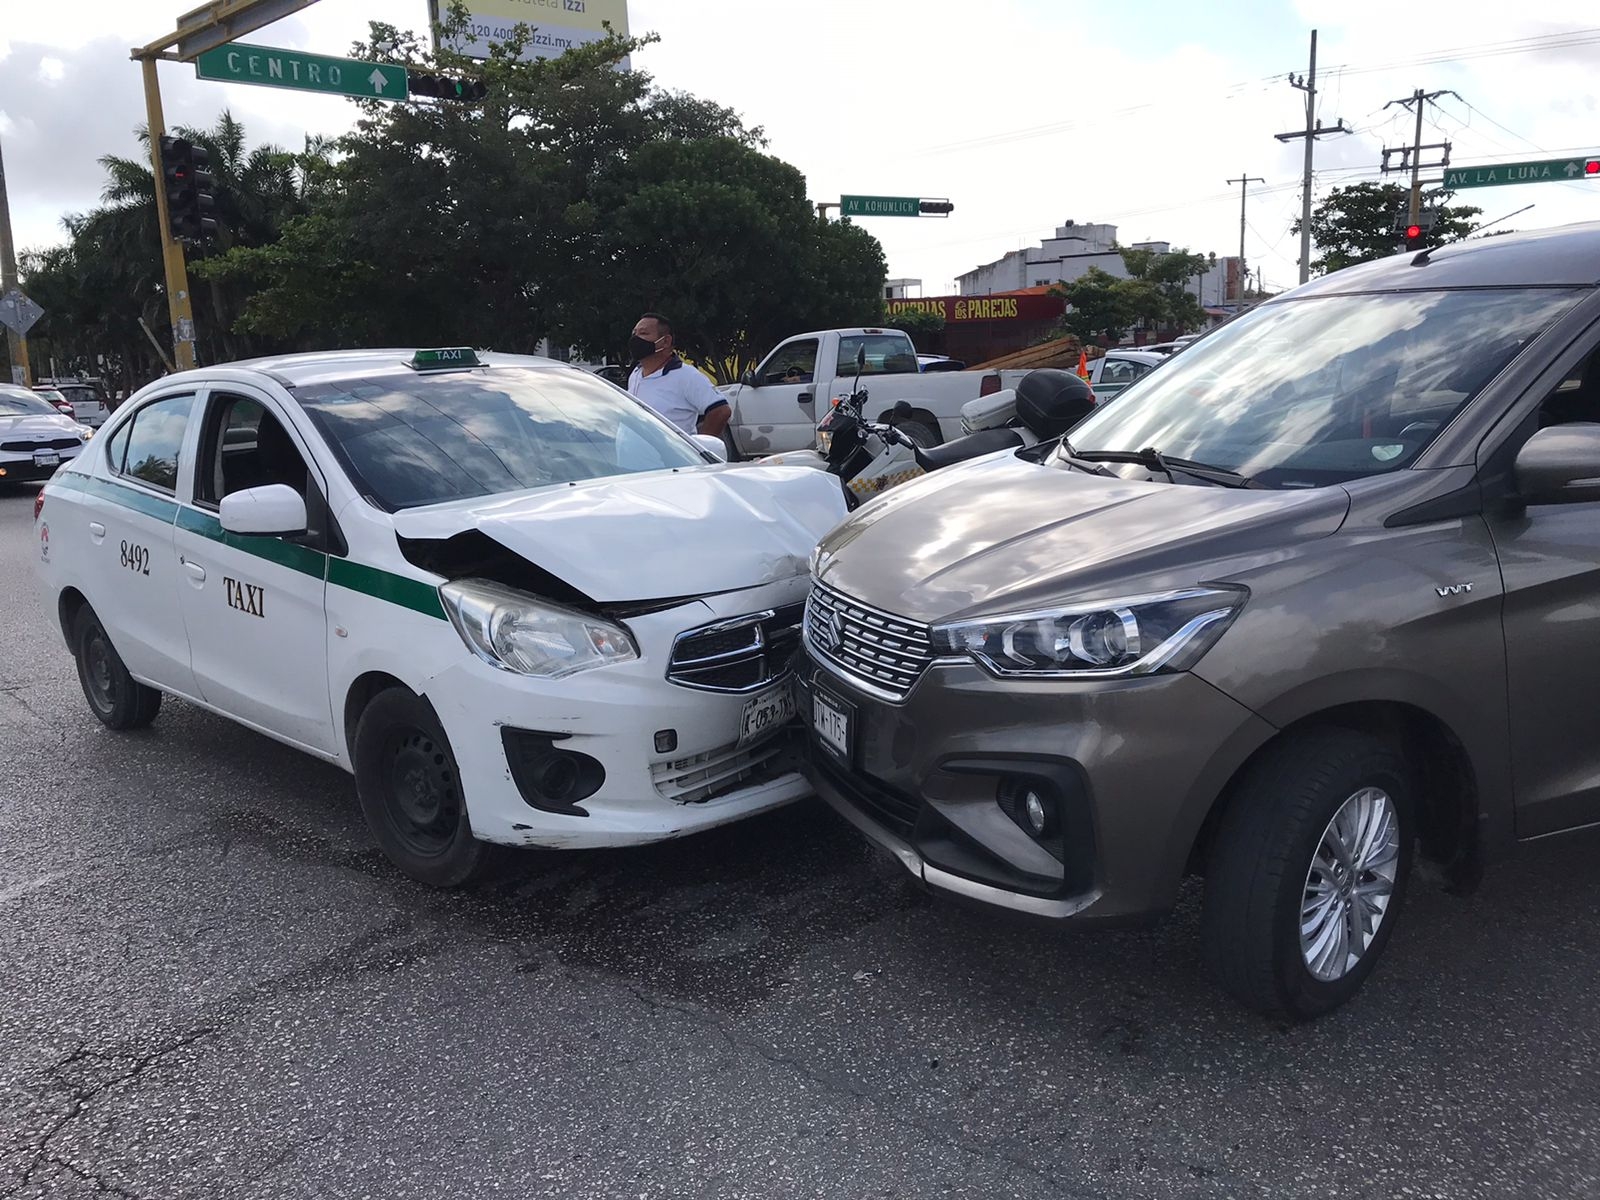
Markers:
{"x": 271, "y": 67}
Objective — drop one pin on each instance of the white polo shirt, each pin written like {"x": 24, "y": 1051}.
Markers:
{"x": 678, "y": 392}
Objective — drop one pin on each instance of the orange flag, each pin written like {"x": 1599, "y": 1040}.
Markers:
{"x": 1083, "y": 364}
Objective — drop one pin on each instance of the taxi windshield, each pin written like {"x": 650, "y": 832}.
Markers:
{"x": 1307, "y": 393}
{"x": 414, "y": 439}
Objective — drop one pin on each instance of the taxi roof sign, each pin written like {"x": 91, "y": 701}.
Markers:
{"x": 450, "y": 358}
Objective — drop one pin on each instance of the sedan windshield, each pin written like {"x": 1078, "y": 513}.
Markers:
{"x": 415, "y": 439}
{"x": 1312, "y": 392}
{"x": 14, "y": 402}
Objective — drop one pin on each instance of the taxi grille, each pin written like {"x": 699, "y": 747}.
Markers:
{"x": 31, "y": 444}
{"x": 740, "y": 655}
{"x": 885, "y": 652}
{"x": 701, "y": 777}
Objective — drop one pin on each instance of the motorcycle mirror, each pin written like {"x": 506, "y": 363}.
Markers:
{"x": 902, "y": 410}
{"x": 861, "y": 358}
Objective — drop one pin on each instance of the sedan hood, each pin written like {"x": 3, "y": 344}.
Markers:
{"x": 654, "y": 536}
{"x": 40, "y": 426}
{"x": 1003, "y": 533}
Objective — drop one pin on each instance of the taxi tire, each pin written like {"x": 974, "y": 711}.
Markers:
{"x": 397, "y": 721}
{"x": 127, "y": 703}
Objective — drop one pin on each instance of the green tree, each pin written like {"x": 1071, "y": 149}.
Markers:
{"x": 1098, "y": 306}
{"x": 1165, "y": 298}
{"x": 576, "y": 196}
{"x": 1358, "y": 223}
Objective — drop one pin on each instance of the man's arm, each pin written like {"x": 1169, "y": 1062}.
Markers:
{"x": 715, "y": 419}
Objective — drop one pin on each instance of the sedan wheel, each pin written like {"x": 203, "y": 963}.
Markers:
{"x": 1350, "y": 884}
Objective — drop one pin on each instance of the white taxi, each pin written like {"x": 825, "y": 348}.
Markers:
{"x": 516, "y": 604}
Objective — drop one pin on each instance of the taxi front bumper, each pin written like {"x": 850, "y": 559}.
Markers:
{"x": 1126, "y": 769}
{"x": 620, "y": 755}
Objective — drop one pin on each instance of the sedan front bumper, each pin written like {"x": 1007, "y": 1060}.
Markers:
{"x": 1128, "y": 770}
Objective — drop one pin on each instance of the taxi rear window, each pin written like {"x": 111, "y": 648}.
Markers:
{"x": 409, "y": 440}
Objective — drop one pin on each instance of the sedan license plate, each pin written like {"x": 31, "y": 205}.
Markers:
{"x": 46, "y": 458}
{"x": 766, "y": 713}
{"x": 831, "y": 721}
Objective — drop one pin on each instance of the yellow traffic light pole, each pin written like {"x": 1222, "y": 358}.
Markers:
{"x": 8, "y": 280}
{"x": 210, "y": 25}
{"x": 178, "y": 304}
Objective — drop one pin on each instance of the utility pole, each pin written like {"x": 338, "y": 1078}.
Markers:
{"x": 1244, "y": 182}
{"x": 8, "y": 280}
{"x": 1411, "y": 156}
{"x": 1307, "y": 83}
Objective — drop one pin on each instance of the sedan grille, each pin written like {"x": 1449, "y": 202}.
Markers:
{"x": 32, "y": 444}
{"x": 740, "y": 655}
{"x": 702, "y": 777}
{"x": 884, "y": 652}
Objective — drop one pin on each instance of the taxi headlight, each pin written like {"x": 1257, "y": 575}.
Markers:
{"x": 1139, "y": 635}
{"x": 517, "y": 632}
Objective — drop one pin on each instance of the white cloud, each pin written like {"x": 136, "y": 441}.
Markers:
{"x": 52, "y": 69}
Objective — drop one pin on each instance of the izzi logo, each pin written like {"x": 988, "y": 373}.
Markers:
{"x": 246, "y": 597}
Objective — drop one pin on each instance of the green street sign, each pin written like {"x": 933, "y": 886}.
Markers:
{"x": 270, "y": 67}
{"x": 880, "y": 206}
{"x": 1549, "y": 170}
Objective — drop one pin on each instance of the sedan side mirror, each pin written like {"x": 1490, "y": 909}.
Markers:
{"x": 275, "y": 510}
{"x": 1560, "y": 465}
{"x": 748, "y": 378}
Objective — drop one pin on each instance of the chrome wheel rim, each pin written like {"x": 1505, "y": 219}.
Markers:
{"x": 1349, "y": 884}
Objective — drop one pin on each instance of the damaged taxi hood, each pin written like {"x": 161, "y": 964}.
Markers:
{"x": 654, "y": 536}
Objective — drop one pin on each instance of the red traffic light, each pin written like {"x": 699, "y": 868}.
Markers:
{"x": 1592, "y": 167}
{"x": 1413, "y": 231}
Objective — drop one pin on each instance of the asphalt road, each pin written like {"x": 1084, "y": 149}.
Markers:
{"x": 212, "y": 986}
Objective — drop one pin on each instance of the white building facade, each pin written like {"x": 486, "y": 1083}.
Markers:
{"x": 1073, "y": 251}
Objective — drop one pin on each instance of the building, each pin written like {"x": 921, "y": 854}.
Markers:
{"x": 901, "y": 289}
{"x": 1073, "y": 251}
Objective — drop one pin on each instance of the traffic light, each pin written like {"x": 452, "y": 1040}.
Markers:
{"x": 190, "y": 200}
{"x": 1413, "y": 237}
{"x": 941, "y": 208}
{"x": 443, "y": 87}
{"x": 1591, "y": 168}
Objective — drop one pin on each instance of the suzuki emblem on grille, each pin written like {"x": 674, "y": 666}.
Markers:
{"x": 828, "y": 630}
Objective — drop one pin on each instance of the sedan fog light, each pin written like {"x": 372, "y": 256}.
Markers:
{"x": 1038, "y": 815}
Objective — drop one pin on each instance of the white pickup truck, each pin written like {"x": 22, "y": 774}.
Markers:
{"x": 776, "y": 407}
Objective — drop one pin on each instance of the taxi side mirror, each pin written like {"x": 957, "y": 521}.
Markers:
{"x": 713, "y": 446}
{"x": 275, "y": 510}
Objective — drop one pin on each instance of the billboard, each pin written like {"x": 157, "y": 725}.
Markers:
{"x": 1008, "y": 306}
{"x": 557, "y": 25}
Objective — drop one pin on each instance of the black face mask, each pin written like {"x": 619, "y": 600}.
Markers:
{"x": 640, "y": 347}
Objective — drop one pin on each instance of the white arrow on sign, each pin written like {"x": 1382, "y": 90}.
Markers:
{"x": 1572, "y": 169}
{"x": 377, "y": 80}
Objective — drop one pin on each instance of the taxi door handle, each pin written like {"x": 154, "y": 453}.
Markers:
{"x": 196, "y": 571}
{"x": 97, "y": 530}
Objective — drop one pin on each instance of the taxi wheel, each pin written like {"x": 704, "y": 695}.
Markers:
{"x": 411, "y": 793}
{"x": 116, "y": 697}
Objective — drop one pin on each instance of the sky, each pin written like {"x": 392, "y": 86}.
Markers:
{"x": 1023, "y": 113}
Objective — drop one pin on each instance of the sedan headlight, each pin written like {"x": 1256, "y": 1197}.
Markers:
{"x": 517, "y": 632}
{"x": 1139, "y": 635}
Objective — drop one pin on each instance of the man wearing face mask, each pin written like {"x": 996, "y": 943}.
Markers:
{"x": 669, "y": 385}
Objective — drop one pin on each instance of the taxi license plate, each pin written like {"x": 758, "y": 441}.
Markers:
{"x": 831, "y": 720}
{"x": 766, "y": 713}
{"x": 46, "y": 458}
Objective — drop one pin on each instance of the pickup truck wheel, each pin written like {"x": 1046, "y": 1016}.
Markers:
{"x": 118, "y": 699}
{"x": 410, "y": 792}
{"x": 919, "y": 433}
{"x": 1308, "y": 873}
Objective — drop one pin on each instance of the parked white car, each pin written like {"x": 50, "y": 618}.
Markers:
{"x": 516, "y": 604}
{"x": 88, "y": 405}
{"x": 1116, "y": 370}
{"x": 35, "y": 438}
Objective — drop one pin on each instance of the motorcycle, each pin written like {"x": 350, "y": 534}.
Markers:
{"x": 869, "y": 457}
